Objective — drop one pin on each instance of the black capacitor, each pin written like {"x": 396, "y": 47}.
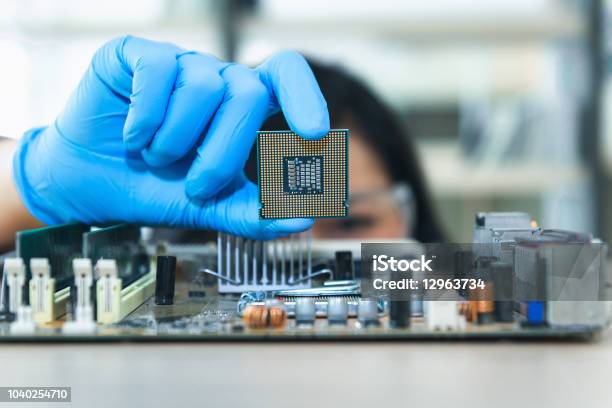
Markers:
{"x": 399, "y": 313}
{"x": 344, "y": 266}
{"x": 502, "y": 275}
{"x": 164, "y": 284}
{"x": 464, "y": 265}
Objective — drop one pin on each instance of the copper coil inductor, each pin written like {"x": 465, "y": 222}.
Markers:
{"x": 260, "y": 317}
{"x": 255, "y": 316}
{"x": 277, "y": 317}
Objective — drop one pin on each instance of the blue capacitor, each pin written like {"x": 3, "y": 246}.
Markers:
{"x": 536, "y": 313}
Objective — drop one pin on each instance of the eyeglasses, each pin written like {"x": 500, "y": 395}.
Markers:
{"x": 383, "y": 213}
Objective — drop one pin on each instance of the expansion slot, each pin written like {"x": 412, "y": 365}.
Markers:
{"x": 114, "y": 302}
{"x": 47, "y": 303}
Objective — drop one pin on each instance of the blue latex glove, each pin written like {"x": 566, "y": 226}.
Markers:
{"x": 157, "y": 135}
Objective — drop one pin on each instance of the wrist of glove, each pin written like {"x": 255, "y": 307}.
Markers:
{"x": 33, "y": 189}
{"x": 53, "y": 186}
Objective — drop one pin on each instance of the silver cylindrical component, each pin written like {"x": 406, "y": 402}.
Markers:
{"x": 367, "y": 312}
{"x": 305, "y": 311}
{"x": 337, "y": 310}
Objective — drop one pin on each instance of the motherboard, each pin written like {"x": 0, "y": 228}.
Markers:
{"x": 515, "y": 281}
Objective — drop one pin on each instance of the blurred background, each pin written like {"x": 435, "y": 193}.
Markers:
{"x": 510, "y": 101}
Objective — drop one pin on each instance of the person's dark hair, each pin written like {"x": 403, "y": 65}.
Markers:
{"x": 347, "y": 97}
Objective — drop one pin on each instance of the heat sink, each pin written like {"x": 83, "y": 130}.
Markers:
{"x": 251, "y": 265}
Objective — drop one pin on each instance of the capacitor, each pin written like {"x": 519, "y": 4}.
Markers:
{"x": 164, "y": 284}
{"x": 399, "y": 313}
{"x": 305, "y": 311}
{"x": 464, "y": 264}
{"x": 344, "y": 269}
{"x": 503, "y": 282}
{"x": 337, "y": 311}
{"x": 367, "y": 312}
{"x": 535, "y": 313}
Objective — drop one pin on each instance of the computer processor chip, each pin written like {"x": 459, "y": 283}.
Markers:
{"x": 302, "y": 178}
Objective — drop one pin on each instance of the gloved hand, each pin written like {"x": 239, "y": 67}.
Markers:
{"x": 157, "y": 135}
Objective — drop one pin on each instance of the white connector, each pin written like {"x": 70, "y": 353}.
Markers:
{"x": 42, "y": 291}
{"x": 83, "y": 313}
{"x": 14, "y": 268}
{"x": 441, "y": 315}
{"x": 108, "y": 290}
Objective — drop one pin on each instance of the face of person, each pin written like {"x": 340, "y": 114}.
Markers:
{"x": 374, "y": 211}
